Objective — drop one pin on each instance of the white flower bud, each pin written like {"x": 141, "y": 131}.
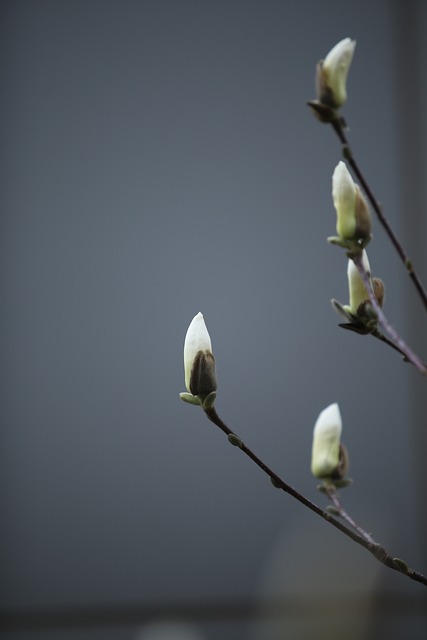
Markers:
{"x": 325, "y": 456}
{"x": 199, "y": 363}
{"x": 356, "y": 287}
{"x": 332, "y": 73}
{"x": 344, "y": 195}
{"x": 353, "y": 218}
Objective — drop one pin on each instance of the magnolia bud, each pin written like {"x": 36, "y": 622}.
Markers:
{"x": 327, "y": 453}
{"x": 199, "y": 363}
{"x": 353, "y": 217}
{"x": 332, "y": 72}
{"x": 356, "y": 287}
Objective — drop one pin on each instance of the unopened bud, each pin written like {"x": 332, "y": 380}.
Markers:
{"x": 328, "y": 456}
{"x": 199, "y": 363}
{"x": 353, "y": 217}
{"x": 357, "y": 291}
{"x": 332, "y": 72}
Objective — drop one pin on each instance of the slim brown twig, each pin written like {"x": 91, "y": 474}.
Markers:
{"x": 332, "y": 494}
{"x": 377, "y": 550}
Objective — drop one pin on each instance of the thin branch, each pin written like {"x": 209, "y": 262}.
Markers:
{"x": 376, "y": 549}
{"x": 331, "y": 491}
{"x": 389, "y": 342}
{"x": 338, "y": 126}
{"x": 386, "y": 327}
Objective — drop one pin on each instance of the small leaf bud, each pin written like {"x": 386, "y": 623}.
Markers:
{"x": 234, "y": 440}
{"x": 401, "y": 565}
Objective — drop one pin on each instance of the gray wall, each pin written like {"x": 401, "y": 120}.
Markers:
{"x": 157, "y": 160}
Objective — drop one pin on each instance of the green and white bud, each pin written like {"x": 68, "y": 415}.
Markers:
{"x": 332, "y": 72}
{"x": 326, "y": 455}
{"x": 199, "y": 363}
{"x": 358, "y": 294}
{"x": 360, "y": 313}
{"x": 353, "y": 217}
{"x": 344, "y": 196}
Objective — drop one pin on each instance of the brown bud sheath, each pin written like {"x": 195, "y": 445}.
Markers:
{"x": 379, "y": 290}
{"x": 343, "y": 464}
{"x": 203, "y": 378}
{"x": 363, "y": 217}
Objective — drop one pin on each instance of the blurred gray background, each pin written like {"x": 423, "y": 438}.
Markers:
{"x": 158, "y": 159}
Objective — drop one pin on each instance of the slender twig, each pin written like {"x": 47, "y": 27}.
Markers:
{"x": 377, "y": 550}
{"x": 386, "y": 327}
{"x": 391, "y": 344}
{"x": 333, "y": 496}
{"x": 338, "y": 126}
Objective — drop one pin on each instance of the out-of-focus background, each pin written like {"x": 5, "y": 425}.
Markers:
{"x": 158, "y": 159}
